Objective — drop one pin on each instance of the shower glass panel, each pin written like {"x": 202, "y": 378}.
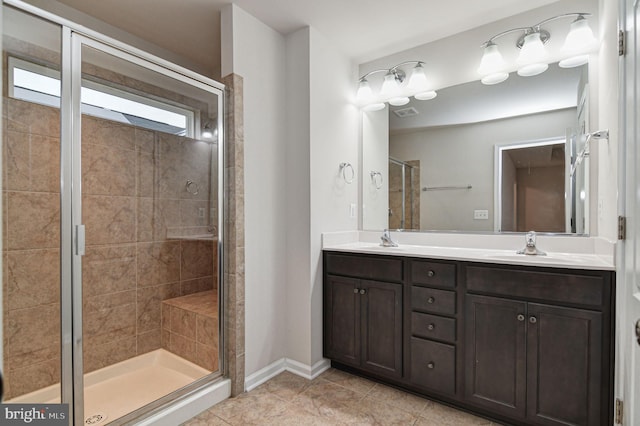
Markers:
{"x": 149, "y": 161}
{"x": 404, "y": 194}
{"x": 31, "y": 215}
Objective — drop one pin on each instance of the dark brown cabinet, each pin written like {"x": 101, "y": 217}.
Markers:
{"x": 495, "y": 357}
{"x": 539, "y": 363}
{"x": 363, "y": 323}
{"x": 521, "y": 345}
{"x": 432, "y": 303}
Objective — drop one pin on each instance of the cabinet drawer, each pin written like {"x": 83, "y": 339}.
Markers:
{"x": 433, "y": 274}
{"x": 433, "y": 327}
{"x": 433, "y": 365}
{"x": 432, "y": 300}
{"x": 585, "y": 290}
{"x": 380, "y": 268}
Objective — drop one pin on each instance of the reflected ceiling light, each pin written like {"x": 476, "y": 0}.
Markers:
{"x": 425, "y": 96}
{"x": 533, "y": 58}
{"x": 207, "y": 132}
{"x": 395, "y": 88}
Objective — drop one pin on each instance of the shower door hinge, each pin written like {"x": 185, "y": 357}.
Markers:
{"x": 619, "y": 411}
{"x": 621, "y": 44}
{"x": 622, "y": 227}
{"x": 80, "y": 240}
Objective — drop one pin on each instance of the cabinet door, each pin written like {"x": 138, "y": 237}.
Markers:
{"x": 342, "y": 319}
{"x": 381, "y": 306}
{"x": 564, "y": 356}
{"x": 495, "y": 363}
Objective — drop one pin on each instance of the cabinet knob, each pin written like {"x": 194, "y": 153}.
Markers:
{"x": 431, "y": 326}
{"x": 430, "y": 273}
{"x": 431, "y": 300}
{"x": 356, "y": 290}
{"x": 533, "y": 320}
{"x": 431, "y": 365}
{"x": 520, "y": 317}
{"x": 363, "y": 291}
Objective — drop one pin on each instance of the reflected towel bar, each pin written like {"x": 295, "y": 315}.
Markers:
{"x": 445, "y": 188}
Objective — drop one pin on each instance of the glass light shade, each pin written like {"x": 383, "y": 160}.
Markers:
{"x": 418, "y": 80}
{"x": 425, "y": 96}
{"x": 399, "y": 101}
{"x": 574, "y": 61}
{"x": 580, "y": 38}
{"x": 579, "y": 41}
{"x": 206, "y": 133}
{"x": 390, "y": 87}
{"x": 495, "y": 78}
{"x": 374, "y": 107}
{"x": 364, "y": 94}
{"x": 492, "y": 61}
{"x": 532, "y": 56}
{"x": 532, "y": 69}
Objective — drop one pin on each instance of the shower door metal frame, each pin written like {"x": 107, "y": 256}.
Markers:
{"x": 75, "y": 36}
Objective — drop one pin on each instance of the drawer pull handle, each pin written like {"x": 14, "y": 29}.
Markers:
{"x": 520, "y": 317}
{"x": 431, "y": 326}
{"x": 356, "y": 290}
{"x": 431, "y": 273}
{"x": 431, "y": 365}
{"x": 431, "y": 300}
{"x": 533, "y": 320}
{"x": 363, "y": 291}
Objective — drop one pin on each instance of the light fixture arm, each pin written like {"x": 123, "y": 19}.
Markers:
{"x": 364, "y": 77}
{"x": 535, "y": 28}
{"x": 579, "y": 15}
{"x": 504, "y": 33}
{"x": 399, "y": 74}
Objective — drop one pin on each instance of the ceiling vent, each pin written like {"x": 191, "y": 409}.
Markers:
{"x": 406, "y": 112}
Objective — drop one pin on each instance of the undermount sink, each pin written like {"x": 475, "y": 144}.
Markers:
{"x": 382, "y": 248}
{"x": 549, "y": 258}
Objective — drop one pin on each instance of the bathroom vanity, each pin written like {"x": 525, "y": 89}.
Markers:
{"x": 522, "y": 344}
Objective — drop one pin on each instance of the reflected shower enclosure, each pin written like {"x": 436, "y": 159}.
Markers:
{"x": 111, "y": 221}
{"x": 404, "y": 194}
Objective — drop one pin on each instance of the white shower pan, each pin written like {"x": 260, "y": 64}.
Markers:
{"x": 146, "y": 378}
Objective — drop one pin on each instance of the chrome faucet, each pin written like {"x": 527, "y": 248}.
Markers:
{"x": 386, "y": 239}
{"x": 530, "y": 247}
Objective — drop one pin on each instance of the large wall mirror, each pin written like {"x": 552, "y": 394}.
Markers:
{"x": 498, "y": 158}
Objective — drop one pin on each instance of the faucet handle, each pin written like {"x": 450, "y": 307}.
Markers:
{"x": 531, "y": 239}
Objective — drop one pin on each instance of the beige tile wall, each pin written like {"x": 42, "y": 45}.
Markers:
{"x": 133, "y": 184}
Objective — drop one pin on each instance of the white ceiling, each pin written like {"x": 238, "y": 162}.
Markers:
{"x": 363, "y": 29}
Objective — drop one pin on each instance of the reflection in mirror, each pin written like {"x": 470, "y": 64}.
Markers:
{"x": 454, "y": 138}
{"x": 531, "y": 187}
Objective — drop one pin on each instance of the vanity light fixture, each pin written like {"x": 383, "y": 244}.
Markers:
{"x": 533, "y": 57}
{"x": 395, "y": 88}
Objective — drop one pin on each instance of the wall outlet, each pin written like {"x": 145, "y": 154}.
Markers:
{"x": 352, "y": 211}
{"x": 201, "y": 212}
{"x": 481, "y": 214}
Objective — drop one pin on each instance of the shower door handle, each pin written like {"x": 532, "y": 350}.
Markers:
{"x": 80, "y": 240}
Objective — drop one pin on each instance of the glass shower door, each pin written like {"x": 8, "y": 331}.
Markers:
{"x": 149, "y": 166}
{"x": 31, "y": 302}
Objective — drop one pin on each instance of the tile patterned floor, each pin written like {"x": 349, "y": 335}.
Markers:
{"x": 334, "y": 398}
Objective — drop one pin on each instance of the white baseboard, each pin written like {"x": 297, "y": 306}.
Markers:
{"x": 284, "y": 364}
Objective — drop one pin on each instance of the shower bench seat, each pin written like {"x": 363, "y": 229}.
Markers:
{"x": 190, "y": 328}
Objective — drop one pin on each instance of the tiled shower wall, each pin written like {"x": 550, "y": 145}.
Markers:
{"x": 136, "y": 210}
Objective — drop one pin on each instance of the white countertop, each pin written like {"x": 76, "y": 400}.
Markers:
{"x": 587, "y": 253}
